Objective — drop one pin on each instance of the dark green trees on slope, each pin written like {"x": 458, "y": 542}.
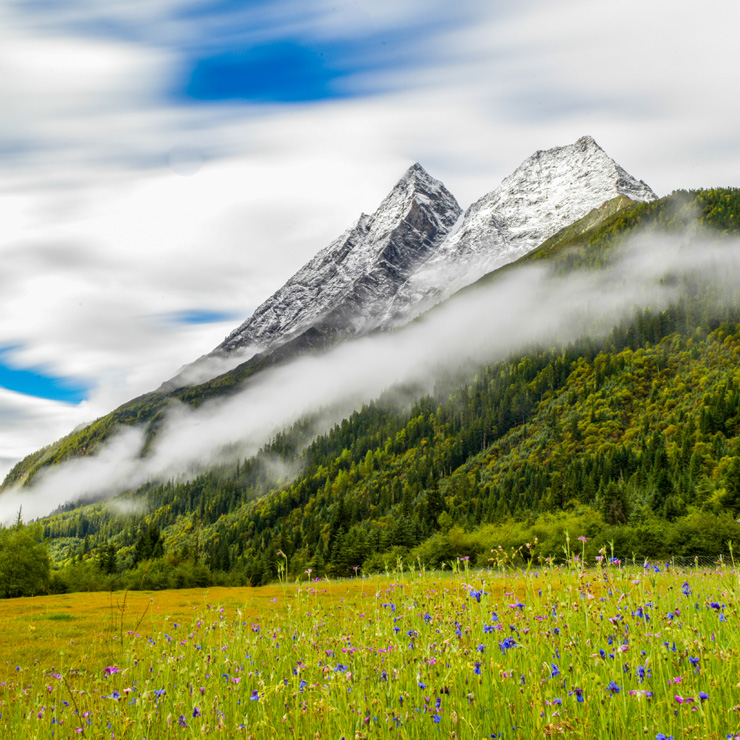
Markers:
{"x": 24, "y": 561}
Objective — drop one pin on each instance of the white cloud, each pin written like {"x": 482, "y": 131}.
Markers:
{"x": 21, "y": 419}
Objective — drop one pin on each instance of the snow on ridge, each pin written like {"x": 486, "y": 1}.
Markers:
{"x": 418, "y": 248}
{"x": 549, "y": 191}
{"x": 381, "y": 250}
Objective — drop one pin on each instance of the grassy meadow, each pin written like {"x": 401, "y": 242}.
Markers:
{"x": 611, "y": 651}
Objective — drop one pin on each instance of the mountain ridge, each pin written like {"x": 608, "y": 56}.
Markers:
{"x": 346, "y": 290}
{"x": 548, "y": 191}
{"x": 368, "y": 264}
{"x": 361, "y": 268}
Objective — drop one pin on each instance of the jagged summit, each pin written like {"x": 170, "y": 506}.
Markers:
{"x": 417, "y": 249}
{"x": 348, "y": 286}
{"x": 548, "y": 191}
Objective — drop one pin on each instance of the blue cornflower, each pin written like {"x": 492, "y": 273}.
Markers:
{"x": 476, "y": 669}
{"x": 613, "y": 688}
{"x": 555, "y": 671}
{"x": 255, "y": 695}
{"x": 578, "y": 694}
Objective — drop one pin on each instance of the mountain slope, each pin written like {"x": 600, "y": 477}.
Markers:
{"x": 637, "y": 435}
{"x": 365, "y": 279}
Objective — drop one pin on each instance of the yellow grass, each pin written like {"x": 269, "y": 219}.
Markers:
{"x": 83, "y": 630}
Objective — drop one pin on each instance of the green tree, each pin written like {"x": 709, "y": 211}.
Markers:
{"x": 24, "y": 561}
{"x": 149, "y": 545}
{"x": 107, "y": 561}
{"x": 731, "y": 497}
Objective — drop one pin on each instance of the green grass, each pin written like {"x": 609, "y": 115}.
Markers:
{"x": 604, "y": 652}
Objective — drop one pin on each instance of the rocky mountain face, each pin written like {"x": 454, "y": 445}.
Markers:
{"x": 549, "y": 191}
{"x": 417, "y": 249}
{"x": 348, "y": 286}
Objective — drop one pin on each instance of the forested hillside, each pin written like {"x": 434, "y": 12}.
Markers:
{"x": 631, "y": 439}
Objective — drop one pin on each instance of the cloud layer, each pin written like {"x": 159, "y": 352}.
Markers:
{"x": 123, "y": 201}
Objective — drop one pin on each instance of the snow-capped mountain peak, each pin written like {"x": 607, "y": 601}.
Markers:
{"x": 417, "y": 248}
{"x": 350, "y": 284}
{"x": 549, "y": 191}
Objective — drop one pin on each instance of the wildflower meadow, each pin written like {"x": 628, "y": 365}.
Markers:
{"x": 610, "y": 650}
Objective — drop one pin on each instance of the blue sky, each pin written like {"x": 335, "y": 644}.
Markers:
{"x": 166, "y": 165}
{"x": 36, "y": 382}
{"x": 200, "y": 316}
